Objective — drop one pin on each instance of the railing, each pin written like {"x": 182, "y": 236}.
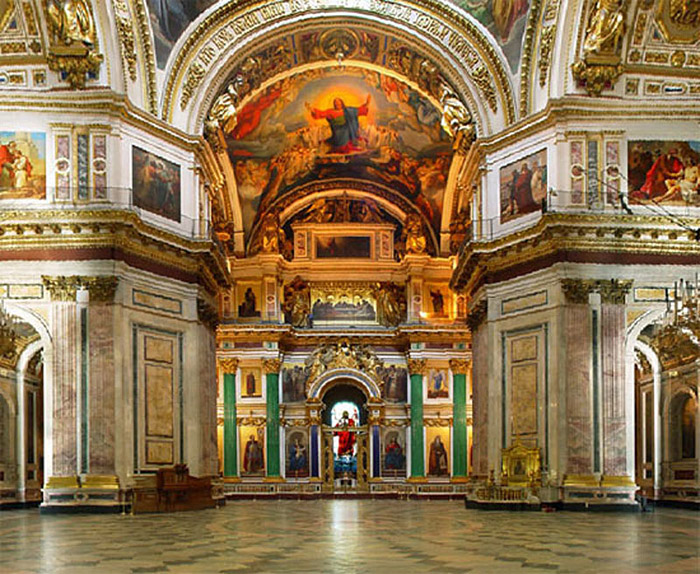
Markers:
{"x": 166, "y": 217}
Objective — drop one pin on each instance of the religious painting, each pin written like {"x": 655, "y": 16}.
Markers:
{"x": 505, "y": 20}
{"x": 251, "y": 383}
{"x": 156, "y": 184}
{"x": 664, "y": 172}
{"x": 248, "y": 298}
{"x": 437, "y": 300}
{"x": 334, "y": 124}
{"x": 523, "y": 186}
{"x": 438, "y": 450}
{"x": 335, "y": 303}
{"x": 297, "y": 454}
{"x": 438, "y": 387}
{"x": 395, "y": 378}
{"x": 169, "y": 18}
{"x": 22, "y": 165}
{"x": 394, "y": 454}
{"x": 343, "y": 247}
{"x": 294, "y": 379}
{"x": 252, "y": 441}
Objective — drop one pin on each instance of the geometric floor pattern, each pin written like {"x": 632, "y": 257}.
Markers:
{"x": 351, "y": 536}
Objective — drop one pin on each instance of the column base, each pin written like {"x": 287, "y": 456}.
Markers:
{"x": 231, "y": 479}
{"x": 417, "y": 480}
{"x": 459, "y": 479}
{"x": 274, "y": 479}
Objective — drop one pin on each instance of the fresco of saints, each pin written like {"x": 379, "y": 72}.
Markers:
{"x": 344, "y": 123}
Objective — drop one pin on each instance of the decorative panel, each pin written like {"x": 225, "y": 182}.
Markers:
{"x": 157, "y": 398}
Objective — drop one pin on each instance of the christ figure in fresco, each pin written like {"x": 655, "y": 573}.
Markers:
{"x": 345, "y": 124}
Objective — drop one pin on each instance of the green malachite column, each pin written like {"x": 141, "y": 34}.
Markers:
{"x": 272, "y": 374}
{"x": 417, "y": 370}
{"x": 459, "y": 417}
{"x": 230, "y": 428}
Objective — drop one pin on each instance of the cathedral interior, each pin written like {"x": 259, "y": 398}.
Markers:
{"x": 514, "y": 185}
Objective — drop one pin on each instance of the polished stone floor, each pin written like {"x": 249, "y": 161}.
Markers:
{"x": 351, "y": 536}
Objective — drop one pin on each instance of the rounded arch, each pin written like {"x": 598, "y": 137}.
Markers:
{"x": 466, "y": 54}
{"x": 344, "y": 376}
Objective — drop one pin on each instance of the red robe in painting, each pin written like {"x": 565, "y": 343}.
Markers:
{"x": 667, "y": 166}
{"x": 249, "y": 116}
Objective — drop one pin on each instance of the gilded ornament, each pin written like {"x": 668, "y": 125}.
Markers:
{"x": 125, "y": 29}
{"x": 481, "y": 77}
{"x": 223, "y": 114}
{"x": 679, "y": 20}
{"x": 457, "y": 121}
{"x": 343, "y": 355}
{"x": 416, "y": 242}
{"x": 678, "y": 59}
{"x": 61, "y": 288}
{"x": 614, "y": 291}
{"x": 391, "y": 303}
{"x": 546, "y": 44}
{"x": 459, "y": 366}
{"x": 72, "y": 51}
{"x": 297, "y": 303}
{"x": 229, "y": 365}
{"x": 417, "y": 366}
{"x": 102, "y": 289}
{"x": 271, "y": 366}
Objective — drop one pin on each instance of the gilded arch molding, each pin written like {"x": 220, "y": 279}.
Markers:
{"x": 462, "y": 50}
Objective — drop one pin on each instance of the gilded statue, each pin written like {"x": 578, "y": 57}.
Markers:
{"x": 72, "y": 21}
{"x": 391, "y": 303}
{"x": 416, "y": 242}
{"x": 297, "y": 303}
{"x": 456, "y": 120}
{"x": 605, "y": 27}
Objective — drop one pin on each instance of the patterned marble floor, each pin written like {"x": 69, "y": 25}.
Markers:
{"x": 351, "y": 536}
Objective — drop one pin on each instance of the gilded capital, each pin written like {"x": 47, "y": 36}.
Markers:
{"x": 61, "y": 288}
{"x": 459, "y": 366}
{"x": 229, "y": 366}
{"x": 271, "y": 366}
{"x": 417, "y": 366}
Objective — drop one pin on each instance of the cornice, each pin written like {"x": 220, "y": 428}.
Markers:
{"x": 62, "y": 230}
{"x": 632, "y": 235}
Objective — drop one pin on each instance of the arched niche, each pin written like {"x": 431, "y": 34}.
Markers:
{"x": 344, "y": 376}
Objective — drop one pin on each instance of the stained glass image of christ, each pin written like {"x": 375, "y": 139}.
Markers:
{"x": 344, "y": 418}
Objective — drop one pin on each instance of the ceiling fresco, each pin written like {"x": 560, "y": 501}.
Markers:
{"x": 339, "y": 123}
{"x": 169, "y": 18}
{"x": 505, "y": 19}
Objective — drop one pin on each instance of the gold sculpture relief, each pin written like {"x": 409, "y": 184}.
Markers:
{"x": 229, "y": 366}
{"x": 102, "y": 289}
{"x": 126, "y": 34}
{"x": 601, "y": 65}
{"x": 416, "y": 243}
{"x": 576, "y": 291}
{"x": 72, "y": 52}
{"x": 614, "y": 291}
{"x": 679, "y": 20}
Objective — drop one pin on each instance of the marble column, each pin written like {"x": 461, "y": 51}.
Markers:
{"x": 64, "y": 411}
{"x": 480, "y": 384}
{"x": 229, "y": 368}
{"x": 417, "y": 369}
{"x": 614, "y": 415}
{"x": 272, "y": 373}
{"x": 459, "y": 368}
{"x": 101, "y": 376}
